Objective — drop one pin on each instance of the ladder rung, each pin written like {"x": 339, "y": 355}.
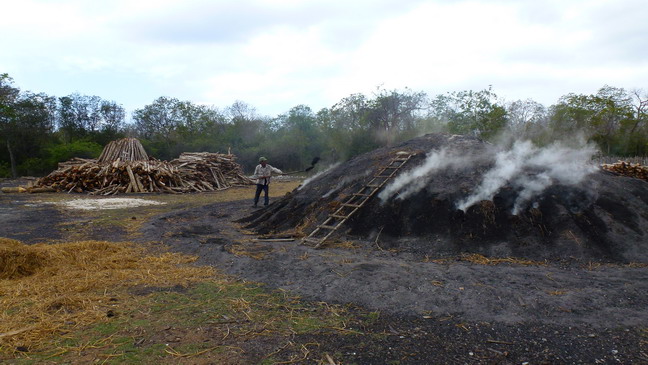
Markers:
{"x": 372, "y": 186}
{"x": 352, "y": 205}
{"x": 358, "y": 199}
{"x": 339, "y": 216}
{"x": 327, "y": 227}
{"x": 358, "y": 194}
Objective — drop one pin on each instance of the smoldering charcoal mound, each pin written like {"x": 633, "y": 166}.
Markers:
{"x": 460, "y": 194}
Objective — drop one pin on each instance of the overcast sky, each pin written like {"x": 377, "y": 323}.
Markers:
{"x": 276, "y": 54}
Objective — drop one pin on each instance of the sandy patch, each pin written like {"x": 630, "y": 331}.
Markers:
{"x": 109, "y": 203}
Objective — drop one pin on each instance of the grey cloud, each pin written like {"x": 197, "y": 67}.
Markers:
{"x": 616, "y": 34}
{"x": 228, "y": 22}
{"x": 620, "y": 29}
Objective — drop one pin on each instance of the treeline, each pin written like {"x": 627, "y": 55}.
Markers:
{"x": 37, "y": 130}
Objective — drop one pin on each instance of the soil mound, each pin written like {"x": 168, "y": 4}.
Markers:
{"x": 460, "y": 194}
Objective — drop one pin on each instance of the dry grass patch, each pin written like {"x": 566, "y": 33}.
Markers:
{"x": 52, "y": 289}
{"x": 349, "y": 245}
{"x": 253, "y": 250}
{"x": 476, "y": 258}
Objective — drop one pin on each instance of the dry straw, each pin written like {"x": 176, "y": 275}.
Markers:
{"x": 483, "y": 260}
{"x": 479, "y": 259}
{"x": 51, "y": 289}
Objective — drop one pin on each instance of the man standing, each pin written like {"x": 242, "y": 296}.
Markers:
{"x": 262, "y": 173}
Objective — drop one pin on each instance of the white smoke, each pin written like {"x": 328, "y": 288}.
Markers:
{"x": 531, "y": 170}
{"x": 347, "y": 179}
{"x": 525, "y": 167}
{"x": 507, "y": 165}
{"x": 413, "y": 181}
{"x": 321, "y": 173}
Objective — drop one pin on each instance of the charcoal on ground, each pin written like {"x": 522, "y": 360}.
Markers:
{"x": 460, "y": 194}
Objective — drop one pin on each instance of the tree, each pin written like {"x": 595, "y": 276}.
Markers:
{"x": 113, "y": 116}
{"x": 80, "y": 116}
{"x": 393, "y": 114}
{"x": 523, "y": 115}
{"x": 612, "y": 108}
{"x": 640, "y": 102}
{"x": 29, "y": 129}
{"x": 469, "y": 112}
{"x": 8, "y": 96}
{"x": 299, "y": 138}
{"x": 93, "y": 117}
{"x": 344, "y": 125}
{"x": 599, "y": 117}
{"x": 203, "y": 127}
{"x": 159, "y": 119}
{"x": 634, "y": 130}
{"x": 246, "y": 131}
{"x": 67, "y": 122}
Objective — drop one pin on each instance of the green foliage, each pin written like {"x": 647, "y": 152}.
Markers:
{"x": 299, "y": 138}
{"x": 612, "y": 118}
{"x": 37, "y": 130}
{"x": 5, "y": 170}
{"x": 34, "y": 166}
{"x": 82, "y": 149}
{"x": 469, "y": 112}
{"x": 81, "y": 116}
{"x": 392, "y": 114}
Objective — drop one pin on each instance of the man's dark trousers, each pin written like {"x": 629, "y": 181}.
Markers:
{"x": 261, "y": 187}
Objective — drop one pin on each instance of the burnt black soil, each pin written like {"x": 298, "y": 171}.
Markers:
{"x": 602, "y": 218}
{"x": 24, "y": 220}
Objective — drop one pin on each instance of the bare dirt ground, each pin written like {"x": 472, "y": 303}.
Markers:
{"x": 437, "y": 310}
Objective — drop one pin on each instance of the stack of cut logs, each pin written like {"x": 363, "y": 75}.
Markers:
{"x": 628, "y": 169}
{"x": 191, "y": 172}
{"x": 219, "y": 169}
{"x": 125, "y": 149}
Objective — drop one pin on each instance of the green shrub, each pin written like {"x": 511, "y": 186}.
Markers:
{"x": 82, "y": 149}
{"x": 34, "y": 167}
{"x": 5, "y": 170}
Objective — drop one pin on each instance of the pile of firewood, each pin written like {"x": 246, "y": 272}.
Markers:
{"x": 125, "y": 149}
{"x": 215, "y": 167}
{"x": 124, "y": 167}
{"x": 199, "y": 172}
{"x": 628, "y": 169}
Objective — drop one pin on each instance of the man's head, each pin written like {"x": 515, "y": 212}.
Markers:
{"x": 263, "y": 161}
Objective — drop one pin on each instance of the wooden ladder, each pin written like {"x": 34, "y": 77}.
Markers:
{"x": 357, "y": 200}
